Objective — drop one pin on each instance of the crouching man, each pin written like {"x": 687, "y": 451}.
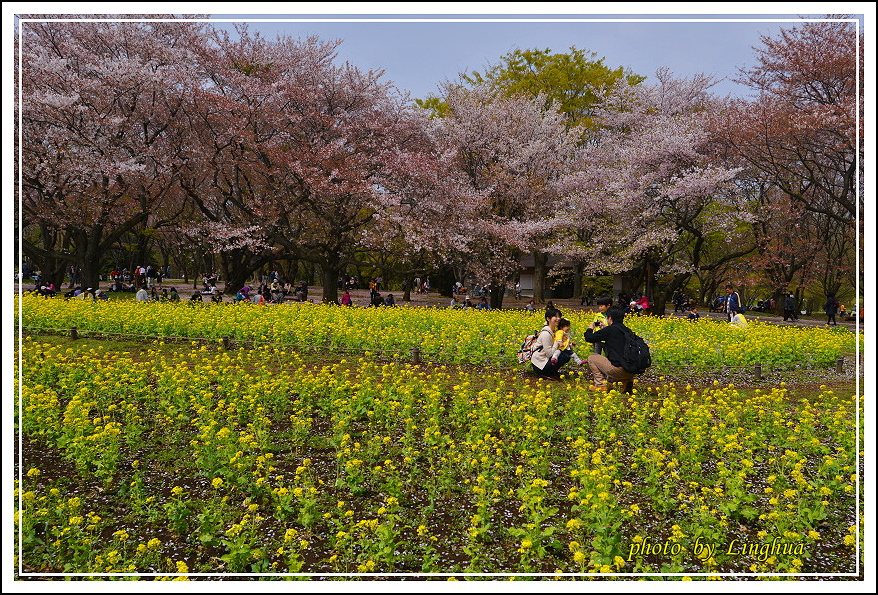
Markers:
{"x": 613, "y": 337}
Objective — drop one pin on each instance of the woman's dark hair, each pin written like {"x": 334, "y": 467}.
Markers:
{"x": 604, "y": 300}
{"x": 552, "y": 312}
{"x": 616, "y": 314}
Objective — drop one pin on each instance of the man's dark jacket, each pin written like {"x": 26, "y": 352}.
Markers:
{"x": 613, "y": 338}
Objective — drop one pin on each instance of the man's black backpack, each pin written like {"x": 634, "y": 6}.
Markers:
{"x": 635, "y": 357}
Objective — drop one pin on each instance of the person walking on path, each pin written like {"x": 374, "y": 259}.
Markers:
{"x": 789, "y": 308}
{"x": 831, "y": 308}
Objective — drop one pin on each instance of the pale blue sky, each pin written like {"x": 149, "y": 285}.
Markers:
{"x": 417, "y": 56}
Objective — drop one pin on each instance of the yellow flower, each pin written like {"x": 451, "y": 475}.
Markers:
{"x": 217, "y": 482}
{"x": 579, "y": 557}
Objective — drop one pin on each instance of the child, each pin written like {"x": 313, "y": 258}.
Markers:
{"x": 603, "y": 303}
{"x": 563, "y": 343}
{"x": 738, "y": 319}
{"x": 693, "y": 313}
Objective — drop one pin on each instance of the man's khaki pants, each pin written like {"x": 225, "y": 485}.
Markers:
{"x": 603, "y": 371}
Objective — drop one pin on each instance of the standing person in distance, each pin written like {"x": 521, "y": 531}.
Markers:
{"x": 789, "y": 307}
{"x": 831, "y": 308}
{"x": 733, "y": 302}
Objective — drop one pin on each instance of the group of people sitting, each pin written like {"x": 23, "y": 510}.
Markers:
{"x": 45, "y": 289}
{"x": 273, "y": 292}
{"x": 467, "y": 304}
{"x": 157, "y": 294}
{"x": 374, "y": 301}
{"x": 86, "y": 294}
{"x": 637, "y": 304}
{"x": 478, "y": 290}
{"x": 79, "y": 293}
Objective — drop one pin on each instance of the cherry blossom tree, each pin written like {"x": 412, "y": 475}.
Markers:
{"x": 652, "y": 192}
{"x": 800, "y": 134}
{"x": 310, "y": 151}
{"x": 800, "y": 131}
{"x": 508, "y": 154}
{"x": 796, "y": 247}
{"x": 98, "y": 98}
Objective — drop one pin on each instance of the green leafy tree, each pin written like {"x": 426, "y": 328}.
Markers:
{"x": 575, "y": 82}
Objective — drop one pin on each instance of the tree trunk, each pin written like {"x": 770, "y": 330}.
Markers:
{"x": 779, "y": 296}
{"x": 540, "y": 259}
{"x": 91, "y": 273}
{"x": 236, "y": 271}
{"x": 498, "y": 290}
{"x": 89, "y": 257}
{"x": 49, "y": 258}
{"x": 707, "y": 292}
{"x": 141, "y": 253}
{"x": 291, "y": 271}
{"x": 661, "y": 298}
{"x": 407, "y": 294}
{"x": 577, "y": 279}
{"x": 330, "y": 269}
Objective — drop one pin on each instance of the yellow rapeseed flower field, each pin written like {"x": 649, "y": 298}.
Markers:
{"x": 172, "y": 459}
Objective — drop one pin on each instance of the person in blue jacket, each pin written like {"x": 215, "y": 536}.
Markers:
{"x": 733, "y": 302}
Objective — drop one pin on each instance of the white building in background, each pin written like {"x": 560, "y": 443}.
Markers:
{"x": 621, "y": 283}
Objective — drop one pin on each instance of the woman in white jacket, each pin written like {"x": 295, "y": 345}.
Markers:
{"x": 540, "y": 360}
